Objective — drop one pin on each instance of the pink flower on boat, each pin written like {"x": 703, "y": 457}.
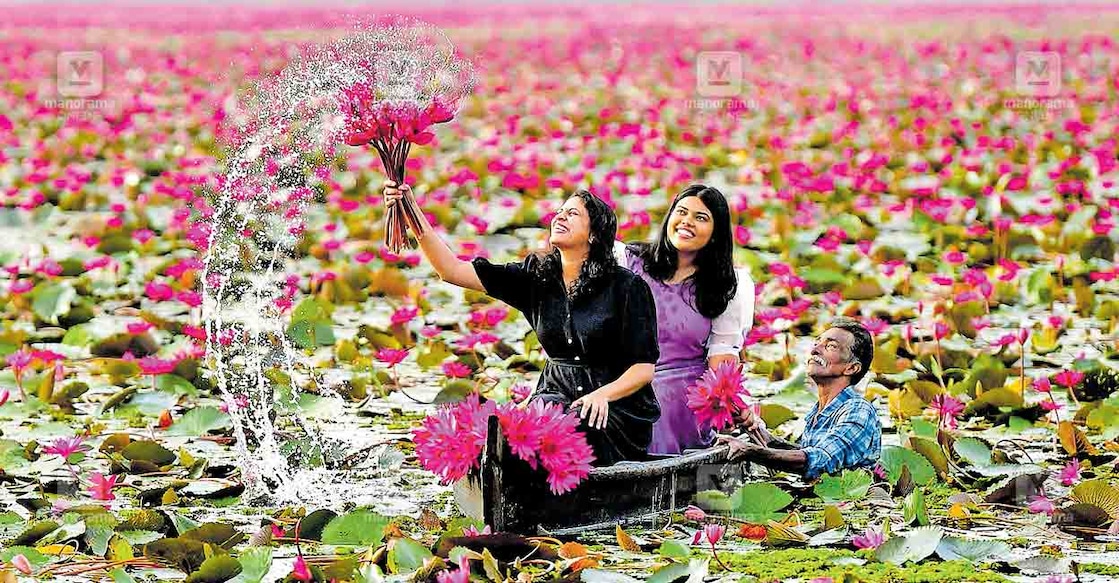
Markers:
{"x": 449, "y": 441}
{"x": 1070, "y": 473}
{"x": 564, "y": 451}
{"x": 523, "y": 430}
{"x": 102, "y": 486}
{"x": 718, "y": 395}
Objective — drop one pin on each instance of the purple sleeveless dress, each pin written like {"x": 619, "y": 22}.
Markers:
{"x": 682, "y": 335}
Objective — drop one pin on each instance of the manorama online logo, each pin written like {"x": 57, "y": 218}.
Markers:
{"x": 719, "y": 82}
{"x": 1037, "y": 81}
{"x": 79, "y": 77}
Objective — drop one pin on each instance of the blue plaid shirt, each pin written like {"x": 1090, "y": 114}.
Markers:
{"x": 846, "y": 434}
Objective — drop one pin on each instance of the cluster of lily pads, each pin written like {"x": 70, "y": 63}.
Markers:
{"x": 891, "y": 173}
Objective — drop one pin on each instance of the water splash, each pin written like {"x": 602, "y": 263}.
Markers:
{"x": 281, "y": 146}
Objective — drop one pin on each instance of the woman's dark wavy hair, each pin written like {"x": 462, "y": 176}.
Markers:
{"x": 600, "y": 263}
{"x": 714, "y": 280}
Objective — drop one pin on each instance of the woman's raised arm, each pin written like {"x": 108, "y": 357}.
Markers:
{"x": 447, "y": 265}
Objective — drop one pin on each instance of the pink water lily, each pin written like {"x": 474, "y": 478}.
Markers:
{"x": 1068, "y": 378}
{"x": 1070, "y": 473}
{"x": 948, "y": 409}
{"x": 65, "y": 447}
{"x": 101, "y": 487}
{"x": 21, "y": 564}
{"x": 19, "y": 361}
{"x": 456, "y": 370}
{"x": 300, "y": 571}
{"x": 695, "y": 513}
{"x": 718, "y": 395}
{"x": 392, "y": 356}
{"x": 871, "y": 538}
{"x": 459, "y": 575}
{"x": 1041, "y": 505}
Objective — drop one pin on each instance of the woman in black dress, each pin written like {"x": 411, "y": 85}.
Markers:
{"x": 596, "y": 321}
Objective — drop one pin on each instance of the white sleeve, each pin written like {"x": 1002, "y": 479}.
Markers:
{"x": 620, "y": 252}
{"x": 729, "y": 328}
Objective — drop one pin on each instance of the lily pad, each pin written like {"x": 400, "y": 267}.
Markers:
{"x": 914, "y": 547}
{"x": 975, "y": 551}
{"x": 850, "y": 485}
{"x": 216, "y": 569}
{"x": 148, "y": 451}
{"x": 894, "y": 458}
{"x": 199, "y": 421}
{"x": 358, "y": 528}
{"x": 972, "y": 450}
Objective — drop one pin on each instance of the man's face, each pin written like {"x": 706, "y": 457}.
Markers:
{"x": 831, "y": 356}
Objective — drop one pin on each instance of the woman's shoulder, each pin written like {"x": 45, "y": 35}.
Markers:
{"x": 626, "y": 281}
{"x": 629, "y": 256}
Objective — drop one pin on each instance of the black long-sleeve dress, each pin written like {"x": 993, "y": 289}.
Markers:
{"x": 590, "y": 342}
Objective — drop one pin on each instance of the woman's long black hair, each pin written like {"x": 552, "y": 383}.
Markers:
{"x": 600, "y": 263}
{"x": 714, "y": 280}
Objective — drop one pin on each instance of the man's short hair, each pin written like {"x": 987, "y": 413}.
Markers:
{"x": 862, "y": 349}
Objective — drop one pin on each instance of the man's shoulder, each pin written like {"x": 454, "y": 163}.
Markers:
{"x": 859, "y": 407}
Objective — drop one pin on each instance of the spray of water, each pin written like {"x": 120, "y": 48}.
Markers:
{"x": 282, "y": 142}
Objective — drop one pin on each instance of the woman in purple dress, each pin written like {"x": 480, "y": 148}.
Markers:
{"x": 704, "y": 307}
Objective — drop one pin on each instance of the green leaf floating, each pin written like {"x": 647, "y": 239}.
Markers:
{"x": 199, "y": 421}
{"x": 894, "y": 458}
{"x": 148, "y": 451}
{"x": 358, "y": 528}
{"x": 759, "y": 502}
{"x": 974, "y": 451}
{"x": 975, "y": 551}
{"x": 216, "y": 569}
{"x": 406, "y": 555}
{"x": 850, "y": 485}
{"x": 52, "y": 301}
{"x": 915, "y": 546}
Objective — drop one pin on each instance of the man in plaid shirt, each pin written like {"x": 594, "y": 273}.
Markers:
{"x": 842, "y": 429}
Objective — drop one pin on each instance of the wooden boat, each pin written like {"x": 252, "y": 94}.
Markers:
{"x": 510, "y": 496}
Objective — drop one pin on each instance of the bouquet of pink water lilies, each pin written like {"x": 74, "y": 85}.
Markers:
{"x": 391, "y": 129}
{"x": 412, "y": 81}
